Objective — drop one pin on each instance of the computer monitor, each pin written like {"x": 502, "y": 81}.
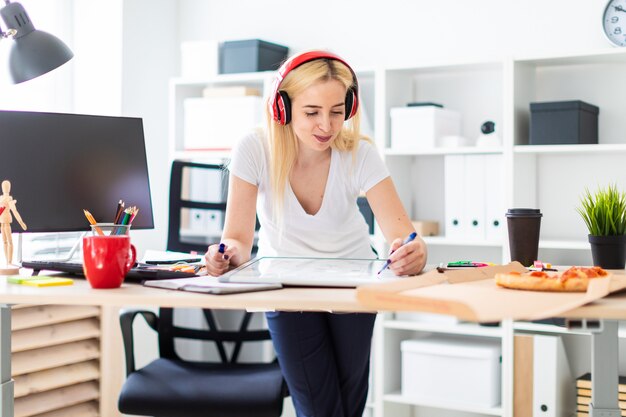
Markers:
{"x": 60, "y": 164}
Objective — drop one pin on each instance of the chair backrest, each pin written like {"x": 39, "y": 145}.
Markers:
{"x": 177, "y": 203}
{"x": 168, "y": 332}
{"x": 217, "y": 189}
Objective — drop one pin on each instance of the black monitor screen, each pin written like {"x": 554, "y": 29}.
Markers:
{"x": 60, "y": 164}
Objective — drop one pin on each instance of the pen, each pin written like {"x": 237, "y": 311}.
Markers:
{"x": 411, "y": 237}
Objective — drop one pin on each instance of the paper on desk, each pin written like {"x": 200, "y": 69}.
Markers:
{"x": 474, "y": 296}
{"x": 152, "y": 255}
{"x": 207, "y": 284}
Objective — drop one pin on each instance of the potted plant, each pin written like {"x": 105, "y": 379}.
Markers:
{"x": 604, "y": 212}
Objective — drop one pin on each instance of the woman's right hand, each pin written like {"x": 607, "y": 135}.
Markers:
{"x": 217, "y": 262}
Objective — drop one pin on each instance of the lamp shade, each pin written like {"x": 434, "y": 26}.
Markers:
{"x": 34, "y": 52}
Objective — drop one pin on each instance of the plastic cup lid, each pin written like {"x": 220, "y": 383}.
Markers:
{"x": 523, "y": 212}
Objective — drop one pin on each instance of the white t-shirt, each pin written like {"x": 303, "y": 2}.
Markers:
{"x": 338, "y": 229}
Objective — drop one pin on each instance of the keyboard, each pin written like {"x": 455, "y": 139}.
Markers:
{"x": 137, "y": 274}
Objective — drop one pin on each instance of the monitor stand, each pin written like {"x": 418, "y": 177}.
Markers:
{"x": 66, "y": 258}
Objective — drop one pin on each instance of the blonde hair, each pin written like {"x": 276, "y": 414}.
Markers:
{"x": 283, "y": 143}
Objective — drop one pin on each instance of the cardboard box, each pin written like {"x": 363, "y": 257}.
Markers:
{"x": 250, "y": 56}
{"x": 563, "y": 122}
{"x": 219, "y": 122}
{"x": 420, "y": 127}
{"x": 451, "y": 370}
{"x": 426, "y": 228}
{"x": 474, "y": 295}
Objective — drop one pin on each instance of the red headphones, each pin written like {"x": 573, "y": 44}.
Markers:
{"x": 279, "y": 102}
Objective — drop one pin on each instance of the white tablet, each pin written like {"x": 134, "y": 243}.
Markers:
{"x": 316, "y": 272}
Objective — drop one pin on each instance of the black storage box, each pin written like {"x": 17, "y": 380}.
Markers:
{"x": 250, "y": 56}
{"x": 563, "y": 122}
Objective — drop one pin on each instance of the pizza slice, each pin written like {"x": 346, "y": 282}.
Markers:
{"x": 575, "y": 279}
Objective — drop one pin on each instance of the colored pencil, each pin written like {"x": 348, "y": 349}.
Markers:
{"x": 92, "y": 221}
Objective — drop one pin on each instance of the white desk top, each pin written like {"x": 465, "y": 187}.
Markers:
{"x": 295, "y": 299}
{"x": 80, "y": 293}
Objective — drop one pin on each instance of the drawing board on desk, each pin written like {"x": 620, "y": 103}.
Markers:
{"x": 311, "y": 272}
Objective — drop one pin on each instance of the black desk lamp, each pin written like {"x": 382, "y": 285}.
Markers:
{"x": 34, "y": 52}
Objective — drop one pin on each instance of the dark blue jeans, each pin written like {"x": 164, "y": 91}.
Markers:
{"x": 324, "y": 358}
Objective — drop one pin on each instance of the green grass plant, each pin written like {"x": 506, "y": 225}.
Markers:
{"x": 604, "y": 212}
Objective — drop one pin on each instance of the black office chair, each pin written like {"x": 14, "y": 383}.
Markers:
{"x": 174, "y": 387}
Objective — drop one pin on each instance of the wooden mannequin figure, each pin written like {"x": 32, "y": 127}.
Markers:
{"x": 7, "y": 206}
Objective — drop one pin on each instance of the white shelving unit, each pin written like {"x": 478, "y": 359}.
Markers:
{"x": 550, "y": 177}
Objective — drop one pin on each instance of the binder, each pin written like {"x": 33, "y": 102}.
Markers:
{"x": 474, "y": 197}
{"x": 209, "y": 186}
{"x": 544, "y": 386}
{"x": 495, "y": 224}
{"x": 454, "y": 194}
{"x": 554, "y": 389}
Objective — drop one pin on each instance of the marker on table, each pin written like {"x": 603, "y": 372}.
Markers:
{"x": 411, "y": 237}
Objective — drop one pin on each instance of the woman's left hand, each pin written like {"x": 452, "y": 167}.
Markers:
{"x": 407, "y": 259}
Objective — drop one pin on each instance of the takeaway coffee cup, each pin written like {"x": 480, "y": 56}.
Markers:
{"x": 107, "y": 260}
{"x": 523, "y": 225}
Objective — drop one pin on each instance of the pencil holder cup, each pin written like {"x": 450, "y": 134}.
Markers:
{"x": 110, "y": 229}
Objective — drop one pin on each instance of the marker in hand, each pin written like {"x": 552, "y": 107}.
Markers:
{"x": 221, "y": 250}
{"x": 411, "y": 237}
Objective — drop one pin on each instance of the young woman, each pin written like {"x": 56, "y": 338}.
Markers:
{"x": 304, "y": 176}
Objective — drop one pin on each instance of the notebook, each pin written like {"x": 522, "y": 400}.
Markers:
{"x": 209, "y": 285}
{"x": 137, "y": 274}
{"x": 311, "y": 272}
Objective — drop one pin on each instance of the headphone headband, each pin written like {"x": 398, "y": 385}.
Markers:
{"x": 279, "y": 102}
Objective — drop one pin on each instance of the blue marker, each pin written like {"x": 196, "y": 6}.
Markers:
{"x": 221, "y": 250}
{"x": 411, "y": 237}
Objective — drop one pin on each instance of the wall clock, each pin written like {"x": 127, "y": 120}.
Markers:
{"x": 614, "y": 22}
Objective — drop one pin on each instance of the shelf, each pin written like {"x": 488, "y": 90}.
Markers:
{"x": 399, "y": 398}
{"x": 217, "y": 156}
{"x": 549, "y": 328}
{"x": 448, "y": 66}
{"x": 544, "y": 328}
{"x": 609, "y": 56}
{"x": 467, "y": 329}
{"x": 462, "y": 150}
{"x": 543, "y": 244}
{"x": 564, "y": 244}
{"x": 570, "y": 149}
{"x": 246, "y": 77}
{"x": 444, "y": 241}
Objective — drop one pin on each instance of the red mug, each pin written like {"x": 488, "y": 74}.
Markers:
{"x": 107, "y": 260}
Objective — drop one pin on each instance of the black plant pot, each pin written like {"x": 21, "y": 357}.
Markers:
{"x": 608, "y": 252}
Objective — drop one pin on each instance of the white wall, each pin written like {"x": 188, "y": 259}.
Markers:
{"x": 126, "y": 51}
{"x": 395, "y": 33}
{"x": 48, "y": 92}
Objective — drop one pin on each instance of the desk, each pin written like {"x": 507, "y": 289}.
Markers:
{"x": 299, "y": 299}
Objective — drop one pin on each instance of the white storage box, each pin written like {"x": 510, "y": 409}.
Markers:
{"x": 219, "y": 122}
{"x": 420, "y": 127}
{"x": 451, "y": 371}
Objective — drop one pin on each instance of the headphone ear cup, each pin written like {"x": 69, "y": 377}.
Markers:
{"x": 351, "y": 103}
{"x": 283, "y": 104}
